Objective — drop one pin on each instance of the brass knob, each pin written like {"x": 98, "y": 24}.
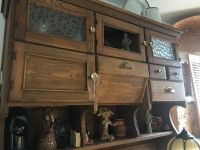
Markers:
{"x": 94, "y": 76}
{"x": 151, "y": 44}
{"x": 92, "y": 29}
{"x": 159, "y": 70}
{"x": 177, "y": 73}
{"x": 170, "y": 90}
{"x": 145, "y": 43}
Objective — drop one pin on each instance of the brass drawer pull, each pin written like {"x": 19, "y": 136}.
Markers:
{"x": 169, "y": 90}
{"x": 177, "y": 73}
{"x": 92, "y": 29}
{"x": 126, "y": 66}
{"x": 159, "y": 70}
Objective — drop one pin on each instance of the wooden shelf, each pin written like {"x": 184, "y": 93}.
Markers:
{"x": 122, "y": 141}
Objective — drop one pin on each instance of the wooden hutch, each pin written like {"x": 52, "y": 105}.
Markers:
{"x": 52, "y": 47}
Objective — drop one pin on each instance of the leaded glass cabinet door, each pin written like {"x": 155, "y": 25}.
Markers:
{"x": 161, "y": 49}
{"x": 55, "y": 23}
{"x": 119, "y": 39}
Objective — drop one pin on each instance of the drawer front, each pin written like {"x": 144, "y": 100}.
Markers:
{"x": 157, "y": 72}
{"x": 167, "y": 91}
{"x": 174, "y": 73}
{"x": 120, "y": 89}
{"x": 122, "y": 67}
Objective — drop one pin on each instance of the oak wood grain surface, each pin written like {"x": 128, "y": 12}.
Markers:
{"x": 48, "y": 74}
{"x": 22, "y": 32}
{"x": 157, "y": 72}
{"x": 174, "y": 74}
{"x": 103, "y": 21}
{"x": 159, "y": 93}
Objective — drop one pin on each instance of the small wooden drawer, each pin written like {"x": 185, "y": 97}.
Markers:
{"x": 157, "y": 72}
{"x": 122, "y": 67}
{"x": 167, "y": 91}
{"x": 174, "y": 74}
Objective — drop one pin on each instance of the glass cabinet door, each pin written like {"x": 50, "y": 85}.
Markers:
{"x": 162, "y": 49}
{"x": 56, "y": 24}
{"x": 119, "y": 39}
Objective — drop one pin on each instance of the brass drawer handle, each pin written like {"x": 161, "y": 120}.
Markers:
{"x": 126, "y": 66}
{"x": 94, "y": 76}
{"x": 145, "y": 43}
{"x": 92, "y": 29}
{"x": 170, "y": 90}
{"x": 159, "y": 70}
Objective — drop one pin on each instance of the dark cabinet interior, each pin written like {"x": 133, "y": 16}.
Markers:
{"x": 123, "y": 40}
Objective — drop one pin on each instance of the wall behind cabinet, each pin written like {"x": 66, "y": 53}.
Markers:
{"x": 2, "y": 26}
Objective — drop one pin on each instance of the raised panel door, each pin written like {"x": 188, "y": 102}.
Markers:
{"x": 44, "y": 74}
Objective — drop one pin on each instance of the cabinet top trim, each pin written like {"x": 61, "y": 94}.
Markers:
{"x": 124, "y": 15}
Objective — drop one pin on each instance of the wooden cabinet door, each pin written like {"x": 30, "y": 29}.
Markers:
{"x": 44, "y": 74}
{"x": 161, "y": 49}
{"x": 55, "y": 23}
{"x": 121, "y": 81}
{"x": 119, "y": 39}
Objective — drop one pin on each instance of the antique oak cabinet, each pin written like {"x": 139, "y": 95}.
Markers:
{"x": 76, "y": 54}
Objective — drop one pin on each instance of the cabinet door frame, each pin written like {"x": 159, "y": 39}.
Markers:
{"x": 22, "y": 33}
{"x": 20, "y": 94}
{"x": 157, "y": 60}
{"x": 121, "y": 25}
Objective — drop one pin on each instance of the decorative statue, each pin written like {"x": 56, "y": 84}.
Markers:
{"x": 126, "y": 42}
{"x": 47, "y": 141}
{"x": 148, "y": 121}
{"x": 106, "y": 114}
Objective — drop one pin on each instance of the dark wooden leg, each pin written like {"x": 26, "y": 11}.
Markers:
{"x": 2, "y": 125}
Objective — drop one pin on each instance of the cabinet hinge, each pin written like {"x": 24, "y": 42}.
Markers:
{"x": 14, "y": 55}
{"x": 96, "y": 42}
{"x": 96, "y": 22}
{"x": 11, "y": 84}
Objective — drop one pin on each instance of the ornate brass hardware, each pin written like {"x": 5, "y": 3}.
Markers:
{"x": 151, "y": 44}
{"x": 92, "y": 29}
{"x": 159, "y": 70}
{"x": 94, "y": 76}
{"x": 126, "y": 66}
{"x": 169, "y": 90}
{"x": 145, "y": 43}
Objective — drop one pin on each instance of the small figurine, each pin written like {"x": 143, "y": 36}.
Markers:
{"x": 47, "y": 141}
{"x": 126, "y": 42}
{"x": 148, "y": 121}
{"x": 106, "y": 114}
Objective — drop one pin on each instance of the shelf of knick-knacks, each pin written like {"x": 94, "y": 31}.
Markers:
{"x": 122, "y": 141}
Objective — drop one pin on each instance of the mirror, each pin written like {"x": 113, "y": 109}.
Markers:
{"x": 178, "y": 118}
